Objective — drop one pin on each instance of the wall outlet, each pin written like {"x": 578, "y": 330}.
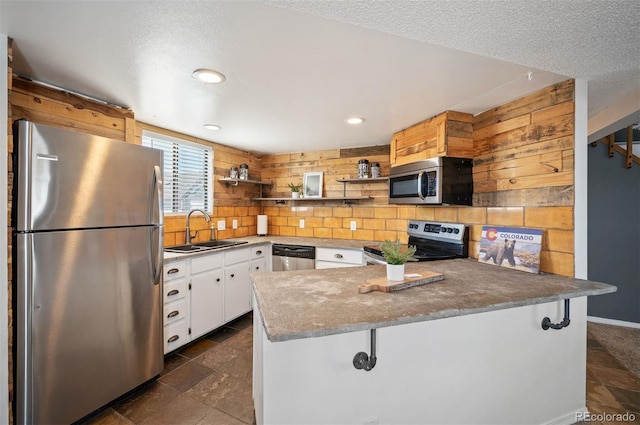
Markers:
{"x": 222, "y": 225}
{"x": 235, "y": 224}
{"x": 353, "y": 225}
{"x": 302, "y": 223}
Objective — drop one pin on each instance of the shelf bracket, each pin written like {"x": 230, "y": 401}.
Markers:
{"x": 362, "y": 360}
{"x": 227, "y": 184}
{"x": 280, "y": 201}
{"x": 546, "y": 322}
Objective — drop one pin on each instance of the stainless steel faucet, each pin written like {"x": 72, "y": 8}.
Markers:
{"x": 189, "y": 236}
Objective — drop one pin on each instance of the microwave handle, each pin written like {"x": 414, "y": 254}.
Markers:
{"x": 420, "y": 177}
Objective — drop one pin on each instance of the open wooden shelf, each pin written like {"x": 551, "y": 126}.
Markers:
{"x": 345, "y": 199}
{"x": 371, "y": 180}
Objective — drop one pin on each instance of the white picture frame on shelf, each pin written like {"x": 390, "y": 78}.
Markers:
{"x": 312, "y": 187}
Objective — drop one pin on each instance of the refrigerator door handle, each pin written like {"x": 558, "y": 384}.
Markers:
{"x": 158, "y": 203}
{"x": 159, "y": 199}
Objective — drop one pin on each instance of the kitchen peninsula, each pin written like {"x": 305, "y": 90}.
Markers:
{"x": 468, "y": 349}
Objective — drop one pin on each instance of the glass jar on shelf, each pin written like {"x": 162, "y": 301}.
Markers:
{"x": 244, "y": 172}
{"x": 363, "y": 169}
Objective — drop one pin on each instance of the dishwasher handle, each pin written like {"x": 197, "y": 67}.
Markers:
{"x": 295, "y": 251}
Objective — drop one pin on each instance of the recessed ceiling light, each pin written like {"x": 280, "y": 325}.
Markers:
{"x": 212, "y": 127}
{"x": 208, "y": 76}
{"x": 354, "y": 120}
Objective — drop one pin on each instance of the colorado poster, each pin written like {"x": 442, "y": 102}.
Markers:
{"x": 511, "y": 247}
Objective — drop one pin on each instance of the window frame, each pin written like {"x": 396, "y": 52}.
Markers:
{"x": 173, "y": 208}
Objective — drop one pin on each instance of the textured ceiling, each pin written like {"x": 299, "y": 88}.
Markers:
{"x": 297, "y": 69}
{"x": 593, "y": 39}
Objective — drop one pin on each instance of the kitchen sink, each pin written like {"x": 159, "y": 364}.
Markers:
{"x": 202, "y": 246}
{"x": 216, "y": 244}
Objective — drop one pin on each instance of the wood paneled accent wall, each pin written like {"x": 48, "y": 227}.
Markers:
{"x": 9, "y": 235}
{"x": 523, "y": 177}
{"x": 229, "y": 203}
{"x": 47, "y": 105}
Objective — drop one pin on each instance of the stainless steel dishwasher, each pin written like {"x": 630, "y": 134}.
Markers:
{"x": 293, "y": 257}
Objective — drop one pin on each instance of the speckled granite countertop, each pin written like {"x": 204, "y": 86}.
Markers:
{"x": 311, "y": 303}
{"x": 292, "y": 240}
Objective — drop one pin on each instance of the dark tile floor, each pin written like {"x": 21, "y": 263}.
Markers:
{"x": 611, "y": 388}
{"x": 209, "y": 383}
{"x": 205, "y": 383}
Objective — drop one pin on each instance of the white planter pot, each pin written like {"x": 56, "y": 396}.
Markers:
{"x": 395, "y": 272}
{"x": 295, "y": 194}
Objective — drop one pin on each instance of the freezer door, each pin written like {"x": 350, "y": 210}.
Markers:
{"x": 89, "y": 320}
{"x": 71, "y": 180}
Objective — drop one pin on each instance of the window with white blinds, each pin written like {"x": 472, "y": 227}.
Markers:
{"x": 187, "y": 173}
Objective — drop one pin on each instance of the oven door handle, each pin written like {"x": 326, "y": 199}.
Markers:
{"x": 420, "y": 177}
{"x": 371, "y": 260}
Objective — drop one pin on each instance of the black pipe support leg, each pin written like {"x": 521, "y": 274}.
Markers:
{"x": 546, "y": 322}
{"x": 362, "y": 360}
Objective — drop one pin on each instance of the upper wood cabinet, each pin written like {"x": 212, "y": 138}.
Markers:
{"x": 447, "y": 134}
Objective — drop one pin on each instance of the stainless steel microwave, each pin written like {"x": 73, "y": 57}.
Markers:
{"x": 435, "y": 181}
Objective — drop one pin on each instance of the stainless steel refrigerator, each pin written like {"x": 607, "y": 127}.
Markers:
{"x": 87, "y": 257}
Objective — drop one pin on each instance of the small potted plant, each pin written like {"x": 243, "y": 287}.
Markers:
{"x": 396, "y": 255}
{"x": 295, "y": 190}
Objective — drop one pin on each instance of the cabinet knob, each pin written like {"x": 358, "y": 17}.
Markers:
{"x": 173, "y": 292}
{"x": 217, "y": 279}
{"x": 258, "y": 252}
{"x": 337, "y": 255}
{"x": 257, "y": 267}
{"x": 232, "y": 275}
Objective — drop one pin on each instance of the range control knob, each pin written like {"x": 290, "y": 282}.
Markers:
{"x": 456, "y": 231}
{"x": 449, "y": 229}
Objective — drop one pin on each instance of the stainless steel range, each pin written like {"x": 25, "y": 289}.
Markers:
{"x": 433, "y": 241}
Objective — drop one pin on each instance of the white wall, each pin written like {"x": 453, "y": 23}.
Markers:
{"x": 4, "y": 357}
{"x": 581, "y": 161}
{"x": 623, "y": 113}
{"x": 498, "y": 367}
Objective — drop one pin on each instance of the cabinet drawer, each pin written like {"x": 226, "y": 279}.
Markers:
{"x": 175, "y": 311}
{"x": 259, "y": 265}
{"x": 340, "y": 255}
{"x": 237, "y": 255}
{"x": 174, "y": 270}
{"x": 175, "y": 335}
{"x": 258, "y": 252}
{"x": 206, "y": 262}
{"x": 175, "y": 289}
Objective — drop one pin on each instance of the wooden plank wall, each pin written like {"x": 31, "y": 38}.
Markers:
{"x": 10, "y": 385}
{"x": 58, "y": 108}
{"x": 335, "y": 164}
{"x": 523, "y": 151}
{"x": 523, "y": 177}
{"x": 328, "y": 219}
{"x": 524, "y": 162}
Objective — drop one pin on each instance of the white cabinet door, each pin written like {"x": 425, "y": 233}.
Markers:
{"x": 206, "y": 301}
{"x": 237, "y": 290}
